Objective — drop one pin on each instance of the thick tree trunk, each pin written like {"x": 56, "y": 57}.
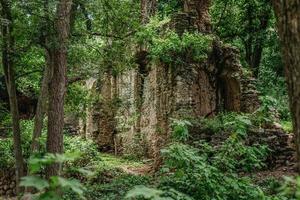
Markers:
{"x": 288, "y": 18}
{"x": 9, "y": 71}
{"x": 57, "y": 85}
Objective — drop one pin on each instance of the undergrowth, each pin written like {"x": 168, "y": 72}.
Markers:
{"x": 190, "y": 171}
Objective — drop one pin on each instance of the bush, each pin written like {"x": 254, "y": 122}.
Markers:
{"x": 6, "y": 153}
{"x": 208, "y": 172}
{"x": 7, "y": 149}
{"x": 169, "y": 47}
{"x": 55, "y": 186}
{"x": 203, "y": 177}
{"x": 228, "y": 123}
{"x": 87, "y": 147}
{"x": 190, "y": 174}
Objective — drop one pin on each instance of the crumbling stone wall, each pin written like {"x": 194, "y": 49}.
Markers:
{"x": 100, "y": 123}
{"x": 249, "y": 97}
{"x": 280, "y": 144}
{"x": 7, "y": 183}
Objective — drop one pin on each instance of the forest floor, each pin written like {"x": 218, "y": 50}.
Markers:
{"x": 145, "y": 169}
{"x": 276, "y": 173}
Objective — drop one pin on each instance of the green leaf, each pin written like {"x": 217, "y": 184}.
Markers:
{"x": 34, "y": 181}
{"x": 147, "y": 193}
{"x": 73, "y": 184}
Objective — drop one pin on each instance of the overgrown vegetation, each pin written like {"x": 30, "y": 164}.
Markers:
{"x": 120, "y": 73}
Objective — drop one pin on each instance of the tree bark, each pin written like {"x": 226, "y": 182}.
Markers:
{"x": 288, "y": 21}
{"x": 9, "y": 72}
{"x": 41, "y": 107}
{"x": 57, "y": 85}
{"x": 255, "y": 43}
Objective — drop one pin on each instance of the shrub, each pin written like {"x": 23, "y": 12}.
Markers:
{"x": 87, "y": 147}
{"x": 208, "y": 172}
{"x": 6, "y": 153}
{"x": 227, "y": 122}
{"x": 55, "y": 186}
{"x": 165, "y": 45}
{"x": 180, "y": 130}
{"x": 190, "y": 174}
{"x": 203, "y": 177}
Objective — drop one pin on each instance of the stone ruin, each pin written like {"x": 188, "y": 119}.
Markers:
{"x": 135, "y": 108}
{"x": 133, "y": 111}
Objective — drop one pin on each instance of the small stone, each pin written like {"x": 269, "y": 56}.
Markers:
{"x": 12, "y": 185}
{"x": 5, "y": 187}
{"x": 9, "y": 192}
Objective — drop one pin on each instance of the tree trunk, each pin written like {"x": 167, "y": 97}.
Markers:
{"x": 255, "y": 44}
{"x": 288, "y": 19}
{"x": 57, "y": 85}
{"x": 9, "y": 72}
{"x": 41, "y": 107}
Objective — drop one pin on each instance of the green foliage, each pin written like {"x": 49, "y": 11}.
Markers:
{"x": 27, "y": 127}
{"x": 6, "y": 153}
{"x": 267, "y": 112}
{"x": 270, "y": 185}
{"x": 180, "y": 129}
{"x": 290, "y": 189}
{"x": 234, "y": 155}
{"x": 5, "y": 119}
{"x": 167, "y": 46}
{"x": 203, "y": 177}
{"x": 56, "y": 185}
{"x": 287, "y": 126}
{"x": 172, "y": 48}
{"x": 77, "y": 100}
{"x": 274, "y": 94}
{"x": 239, "y": 22}
{"x": 168, "y": 7}
{"x": 6, "y": 144}
{"x": 92, "y": 160}
{"x": 208, "y": 172}
{"x": 144, "y": 193}
{"x": 227, "y": 122}
{"x": 115, "y": 189}
{"x": 87, "y": 147}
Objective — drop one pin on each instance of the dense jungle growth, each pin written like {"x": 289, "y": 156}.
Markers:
{"x": 150, "y": 99}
